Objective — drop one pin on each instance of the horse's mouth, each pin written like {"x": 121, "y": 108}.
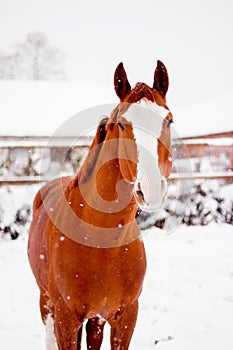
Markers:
{"x": 139, "y": 195}
{"x": 143, "y": 203}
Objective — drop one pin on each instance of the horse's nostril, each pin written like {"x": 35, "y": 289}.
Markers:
{"x": 140, "y": 194}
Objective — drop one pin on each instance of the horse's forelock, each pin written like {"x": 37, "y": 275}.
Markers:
{"x": 140, "y": 91}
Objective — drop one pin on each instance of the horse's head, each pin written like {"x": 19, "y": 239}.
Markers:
{"x": 145, "y": 108}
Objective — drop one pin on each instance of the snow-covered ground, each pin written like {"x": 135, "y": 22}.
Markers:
{"x": 187, "y": 300}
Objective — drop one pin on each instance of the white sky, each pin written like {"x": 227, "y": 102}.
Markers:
{"x": 193, "y": 38}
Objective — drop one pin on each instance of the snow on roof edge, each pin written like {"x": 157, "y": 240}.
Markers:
{"x": 39, "y": 108}
{"x": 211, "y": 117}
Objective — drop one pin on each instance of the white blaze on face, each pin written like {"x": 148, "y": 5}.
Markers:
{"x": 147, "y": 119}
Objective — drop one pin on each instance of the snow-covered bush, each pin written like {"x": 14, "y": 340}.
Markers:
{"x": 19, "y": 225}
{"x": 209, "y": 203}
{"x": 36, "y": 161}
{"x": 15, "y": 210}
{"x": 201, "y": 203}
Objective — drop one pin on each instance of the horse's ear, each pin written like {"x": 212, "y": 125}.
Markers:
{"x": 161, "y": 80}
{"x": 121, "y": 84}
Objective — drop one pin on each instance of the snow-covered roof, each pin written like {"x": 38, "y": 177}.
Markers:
{"x": 39, "y": 108}
{"x": 207, "y": 118}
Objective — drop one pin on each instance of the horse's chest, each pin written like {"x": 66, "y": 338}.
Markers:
{"x": 106, "y": 277}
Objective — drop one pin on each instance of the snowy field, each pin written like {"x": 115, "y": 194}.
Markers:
{"x": 187, "y": 300}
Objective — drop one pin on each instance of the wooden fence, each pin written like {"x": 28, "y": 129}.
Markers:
{"x": 31, "y": 180}
{"x": 12, "y": 147}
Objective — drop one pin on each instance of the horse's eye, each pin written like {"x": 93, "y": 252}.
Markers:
{"x": 169, "y": 122}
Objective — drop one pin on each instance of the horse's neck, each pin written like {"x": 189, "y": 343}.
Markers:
{"x": 101, "y": 194}
{"x": 104, "y": 185}
{"x": 102, "y": 217}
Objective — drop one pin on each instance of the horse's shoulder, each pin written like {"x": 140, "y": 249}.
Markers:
{"x": 49, "y": 191}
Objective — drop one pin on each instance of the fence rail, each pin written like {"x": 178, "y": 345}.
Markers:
{"x": 31, "y": 180}
{"x": 44, "y": 142}
{"x": 58, "y": 146}
{"x": 24, "y": 180}
{"x": 201, "y": 176}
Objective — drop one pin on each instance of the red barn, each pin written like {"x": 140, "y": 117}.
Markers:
{"x": 207, "y": 156}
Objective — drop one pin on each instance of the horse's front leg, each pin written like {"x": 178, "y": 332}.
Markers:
{"x": 122, "y": 328}
{"x": 67, "y": 326}
{"x": 94, "y": 330}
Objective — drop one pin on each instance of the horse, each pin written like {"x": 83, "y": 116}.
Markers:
{"x": 84, "y": 245}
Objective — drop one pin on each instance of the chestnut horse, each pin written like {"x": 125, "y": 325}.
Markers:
{"x": 84, "y": 244}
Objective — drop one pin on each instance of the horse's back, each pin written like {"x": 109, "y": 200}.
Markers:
{"x": 45, "y": 200}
